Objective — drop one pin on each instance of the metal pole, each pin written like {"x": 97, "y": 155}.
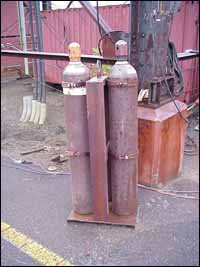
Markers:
{"x": 40, "y": 48}
{"x": 84, "y": 58}
{"x": 69, "y": 4}
{"x": 133, "y": 37}
{"x": 22, "y": 30}
{"x": 35, "y": 69}
{"x": 93, "y": 13}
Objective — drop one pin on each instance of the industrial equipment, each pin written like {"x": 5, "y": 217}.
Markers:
{"x": 112, "y": 138}
{"x": 127, "y": 127}
{"x": 123, "y": 128}
{"x": 150, "y": 51}
{"x": 75, "y": 76}
{"x": 160, "y": 81}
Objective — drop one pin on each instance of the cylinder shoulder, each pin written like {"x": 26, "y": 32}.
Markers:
{"x": 123, "y": 70}
{"x": 76, "y": 71}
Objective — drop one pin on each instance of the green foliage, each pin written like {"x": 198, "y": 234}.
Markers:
{"x": 95, "y": 51}
{"x": 105, "y": 67}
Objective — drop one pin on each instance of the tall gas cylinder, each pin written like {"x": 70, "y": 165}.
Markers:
{"x": 75, "y": 76}
{"x": 123, "y": 127}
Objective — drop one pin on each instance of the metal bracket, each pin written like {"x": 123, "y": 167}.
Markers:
{"x": 125, "y": 84}
{"x": 76, "y": 153}
{"x": 73, "y": 85}
{"x": 124, "y": 157}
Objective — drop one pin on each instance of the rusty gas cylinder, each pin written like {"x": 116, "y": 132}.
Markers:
{"x": 75, "y": 76}
{"x": 123, "y": 127}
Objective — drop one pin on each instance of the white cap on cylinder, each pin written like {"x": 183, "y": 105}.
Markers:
{"x": 121, "y": 49}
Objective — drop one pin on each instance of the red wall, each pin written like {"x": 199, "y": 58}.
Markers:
{"x": 9, "y": 18}
{"x": 65, "y": 26}
{"x": 10, "y": 26}
{"x": 185, "y": 35}
{"x": 60, "y": 27}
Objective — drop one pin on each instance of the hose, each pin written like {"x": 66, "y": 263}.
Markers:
{"x": 35, "y": 69}
{"x": 29, "y": 108}
{"x": 173, "y": 62}
{"x": 24, "y": 111}
{"x": 37, "y": 113}
{"x": 36, "y": 171}
{"x": 43, "y": 111}
{"x": 40, "y": 48}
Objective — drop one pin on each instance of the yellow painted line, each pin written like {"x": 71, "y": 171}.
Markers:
{"x": 32, "y": 248}
{"x": 4, "y": 226}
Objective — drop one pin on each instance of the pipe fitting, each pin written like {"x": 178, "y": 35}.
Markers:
{"x": 33, "y": 112}
{"x": 25, "y": 107}
{"x": 43, "y": 111}
{"x": 37, "y": 114}
{"x": 29, "y": 108}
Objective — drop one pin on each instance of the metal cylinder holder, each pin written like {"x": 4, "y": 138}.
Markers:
{"x": 123, "y": 127}
{"x": 75, "y": 76}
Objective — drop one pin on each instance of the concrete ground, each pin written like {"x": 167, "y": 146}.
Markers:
{"x": 166, "y": 234}
{"x": 167, "y": 229}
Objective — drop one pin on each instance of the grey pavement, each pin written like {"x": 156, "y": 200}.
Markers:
{"x": 12, "y": 256}
{"x": 166, "y": 233}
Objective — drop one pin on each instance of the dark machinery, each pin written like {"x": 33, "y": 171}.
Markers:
{"x": 160, "y": 81}
{"x": 150, "y": 51}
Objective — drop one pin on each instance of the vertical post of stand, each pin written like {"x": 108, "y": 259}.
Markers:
{"x": 98, "y": 148}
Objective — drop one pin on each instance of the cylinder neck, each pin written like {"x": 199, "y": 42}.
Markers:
{"x": 121, "y": 50}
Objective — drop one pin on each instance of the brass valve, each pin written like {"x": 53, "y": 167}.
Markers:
{"x": 74, "y": 52}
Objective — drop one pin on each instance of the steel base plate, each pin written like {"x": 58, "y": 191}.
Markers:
{"x": 111, "y": 218}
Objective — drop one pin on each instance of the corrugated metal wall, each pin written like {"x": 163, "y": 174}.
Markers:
{"x": 10, "y": 27}
{"x": 185, "y": 35}
{"x": 60, "y": 27}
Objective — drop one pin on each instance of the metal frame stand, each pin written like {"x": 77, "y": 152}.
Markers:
{"x": 97, "y": 122}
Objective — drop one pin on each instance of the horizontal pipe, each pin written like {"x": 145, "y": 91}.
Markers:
{"x": 84, "y": 58}
{"x": 56, "y": 56}
{"x": 13, "y": 36}
{"x": 187, "y": 55}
